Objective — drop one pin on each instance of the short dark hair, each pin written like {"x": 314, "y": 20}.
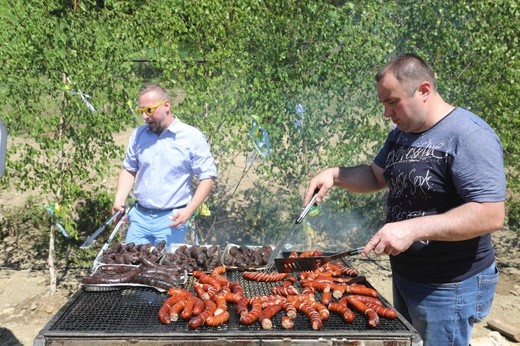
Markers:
{"x": 160, "y": 92}
{"x": 409, "y": 70}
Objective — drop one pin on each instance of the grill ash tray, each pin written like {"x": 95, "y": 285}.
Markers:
{"x": 246, "y": 257}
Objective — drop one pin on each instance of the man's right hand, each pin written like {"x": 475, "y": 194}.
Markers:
{"x": 118, "y": 207}
{"x": 320, "y": 185}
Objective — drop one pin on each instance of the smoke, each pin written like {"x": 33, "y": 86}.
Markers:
{"x": 334, "y": 229}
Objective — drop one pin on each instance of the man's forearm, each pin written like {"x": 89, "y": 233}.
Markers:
{"x": 467, "y": 221}
{"x": 201, "y": 193}
{"x": 362, "y": 178}
{"x": 125, "y": 182}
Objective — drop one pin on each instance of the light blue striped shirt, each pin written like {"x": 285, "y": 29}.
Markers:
{"x": 165, "y": 164}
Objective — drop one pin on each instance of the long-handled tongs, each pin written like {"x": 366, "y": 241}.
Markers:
{"x": 111, "y": 237}
{"x": 90, "y": 240}
{"x": 301, "y": 264}
{"x": 282, "y": 242}
{"x": 116, "y": 228}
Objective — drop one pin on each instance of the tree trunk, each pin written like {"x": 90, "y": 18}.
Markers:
{"x": 51, "y": 260}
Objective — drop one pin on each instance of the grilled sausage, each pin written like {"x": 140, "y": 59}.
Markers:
{"x": 217, "y": 320}
{"x": 253, "y": 315}
{"x": 207, "y": 279}
{"x": 187, "y": 312}
{"x": 176, "y": 310}
{"x": 326, "y": 296}
{"x": 382, "y": 311}
{"x": 314, "y": 316}
{"x": 361, "y": 290}
{"x": 209, "y": 309}
{"x": 284, "y": 290}
{"x": 343, "y": 310}
{"x": 365, "y": 299}
{"x": 373, "y": 318}
{"x": 287, "y": 322}
{"x": 264, "y": 277}
{"x": 266, "y": 315}
{"x": 289, "y": 308}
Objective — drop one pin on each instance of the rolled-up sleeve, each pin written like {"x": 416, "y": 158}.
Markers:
{"x": 203, "y": 163}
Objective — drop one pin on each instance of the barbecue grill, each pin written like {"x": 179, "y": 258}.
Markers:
{"x": 130, "y": 316}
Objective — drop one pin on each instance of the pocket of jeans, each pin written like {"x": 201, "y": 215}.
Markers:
{"x": 487, "y": 283}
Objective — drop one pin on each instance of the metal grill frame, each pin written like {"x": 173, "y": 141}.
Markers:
{"x": 130, "y": 315}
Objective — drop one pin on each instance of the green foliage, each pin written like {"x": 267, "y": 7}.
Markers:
{"x": 27, "y": 226}
{"x": 475, "y": 49}
{"x": 232, "y": 62}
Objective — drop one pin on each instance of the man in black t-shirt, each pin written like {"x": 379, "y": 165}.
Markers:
{"x": 443, "y": 168}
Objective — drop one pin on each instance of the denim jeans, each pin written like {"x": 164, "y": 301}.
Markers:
{"x": 152, "y": 227}
{"x": 444, "y": 314}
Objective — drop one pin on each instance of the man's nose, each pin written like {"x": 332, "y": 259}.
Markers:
{"x": 388, "y": 112}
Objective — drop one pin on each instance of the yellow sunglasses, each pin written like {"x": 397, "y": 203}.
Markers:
{"x": 149, "y": 110}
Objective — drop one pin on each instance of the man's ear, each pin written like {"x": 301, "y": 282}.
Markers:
{"x": 425, "y": 88}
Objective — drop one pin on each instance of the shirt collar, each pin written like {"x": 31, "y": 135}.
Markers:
{"x": 174, "y": 126}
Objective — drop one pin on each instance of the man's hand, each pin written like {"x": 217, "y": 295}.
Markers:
{"x": 392, "y": 239}
{"x": 180, "y": 216}
{"x": 119, "y": 207}
{"x": 320, "y": 185}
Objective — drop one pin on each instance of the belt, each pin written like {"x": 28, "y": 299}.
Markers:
{"x": 153, "y": 210}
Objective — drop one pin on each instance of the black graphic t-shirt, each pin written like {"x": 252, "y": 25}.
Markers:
{"x": 458, "y": 160}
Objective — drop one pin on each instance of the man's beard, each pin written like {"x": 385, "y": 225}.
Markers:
{"x": 155, "y": 128}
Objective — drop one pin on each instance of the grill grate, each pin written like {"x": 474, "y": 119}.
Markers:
{"x": 134, "y": 310}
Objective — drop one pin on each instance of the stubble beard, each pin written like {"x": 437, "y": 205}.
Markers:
{"x": 155, "y": 128}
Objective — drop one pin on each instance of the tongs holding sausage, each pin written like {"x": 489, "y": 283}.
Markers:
{"x": 90, "y": 240}
{"x": 299, "y": 264}
{"x": 112, "y": 236}
{"x": 116, "y": 228}
{"x": 282, "y": 242}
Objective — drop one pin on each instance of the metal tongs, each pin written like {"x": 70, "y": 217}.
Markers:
{"x": 281, "y": 243}
{"x": 111, "y": 237}
{"x": 300, "y": 264}
{"x": 90, "y": 240}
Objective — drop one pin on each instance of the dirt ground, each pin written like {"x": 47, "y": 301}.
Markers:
{"x": 26, "y": 304}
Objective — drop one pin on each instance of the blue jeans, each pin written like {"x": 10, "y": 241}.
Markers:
{"x": 444, "y": 314}
{"x": 148, "y": 226}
